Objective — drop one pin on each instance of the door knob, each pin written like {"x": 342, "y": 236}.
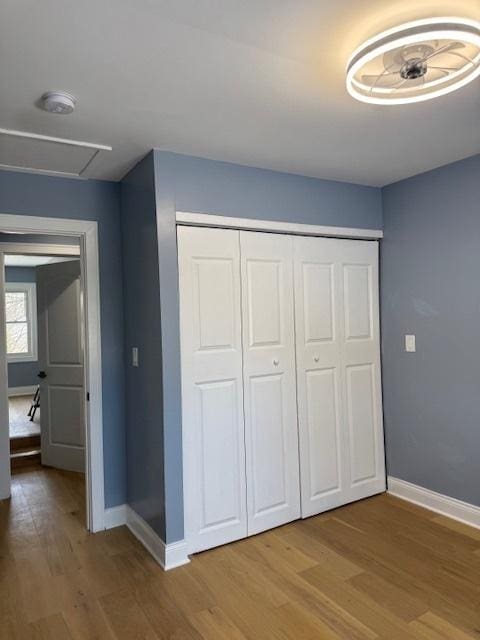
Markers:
{"x": 276, "y": 362}
{"x": 41, "y": 374}
{"x": 316, "y": 358}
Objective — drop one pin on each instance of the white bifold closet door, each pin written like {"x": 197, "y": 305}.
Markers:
{"x": 281, "y": 393}
{"x": 271, "y": 429}
{"x": 338, "y": 372}
{"x": 212, "y": 387}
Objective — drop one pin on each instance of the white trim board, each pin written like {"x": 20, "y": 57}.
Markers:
{"x": 22, "y": 391}
{"x": 245, "y": 224}
{"x": 87, "y": 233}
{"x": 65, "y": 141}
{"x": 450, "y": 507}
{"x": 168, "y": 556}
{"x": 38, "y": 249}
{"x": 115, "y": 516}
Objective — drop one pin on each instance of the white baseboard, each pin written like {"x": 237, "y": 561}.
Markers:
{"x": 451, "y": 507}
{"x": 168, "y": 556}
{"x": 176, "y": 555}
{"x": 115, "y": 516}
{"x": 22, "y": 391}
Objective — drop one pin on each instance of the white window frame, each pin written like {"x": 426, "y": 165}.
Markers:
{"x": 30, "y": 288}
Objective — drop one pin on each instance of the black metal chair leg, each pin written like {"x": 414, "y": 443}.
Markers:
{"x": 35, "y": 404}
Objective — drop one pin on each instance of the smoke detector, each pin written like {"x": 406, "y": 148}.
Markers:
{"x": 58, "y": 102}
{"x": 416, "y": 61}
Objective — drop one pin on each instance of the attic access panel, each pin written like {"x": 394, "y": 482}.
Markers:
{"x": 23, "y": 151}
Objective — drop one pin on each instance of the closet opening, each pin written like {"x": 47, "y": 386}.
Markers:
{"x": 281, "y": 393}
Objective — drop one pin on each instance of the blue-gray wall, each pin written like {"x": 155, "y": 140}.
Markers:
{"x": 144, "y": 390}
{"x": 185, "y": 183}
{"x": 43, "y": 238}
{"x": 37, "y": 195}
{"x": 430, "y": 266}
{"x": 21, "y": 374}
{"x": 430, "y": 275}
{"x": 206, "y": 186}
{"x": 20, "y": 274}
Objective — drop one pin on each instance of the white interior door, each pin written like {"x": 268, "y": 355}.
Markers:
{"x": 361, "y": 365}
{"x": 271, "y": 432}
{"x": 212, "y": 387}
{"x": 61, "y": 366}
{"x": 338, "y": 372}
{"x": 319, "y": 374}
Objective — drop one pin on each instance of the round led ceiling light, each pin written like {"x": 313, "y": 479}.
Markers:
{"x": 417, "y": 61}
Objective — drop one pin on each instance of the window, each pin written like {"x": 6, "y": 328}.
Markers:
{"x": 21, "y": 321}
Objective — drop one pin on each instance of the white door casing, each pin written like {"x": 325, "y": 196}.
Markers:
{"x": 61, "y": 359}
{"x": 338, "y": 372}
{"x": 271, "y": 432}
{"x": 87, "y": 233}
{"x": 212, "y": 387}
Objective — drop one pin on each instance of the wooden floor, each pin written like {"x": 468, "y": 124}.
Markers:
{"x": 380, "y": 568}
{"x": 19, "y": 422}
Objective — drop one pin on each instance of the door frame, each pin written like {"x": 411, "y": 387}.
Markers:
{"x": 87, "y": 233}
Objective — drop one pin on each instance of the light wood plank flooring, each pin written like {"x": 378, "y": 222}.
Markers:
{"x": 380, "y": 568}
{"x": 19, "y": 422}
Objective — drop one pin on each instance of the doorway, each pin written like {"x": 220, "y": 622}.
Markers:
{"x": 64, "y": 398}
{"x": 45, "y": 360}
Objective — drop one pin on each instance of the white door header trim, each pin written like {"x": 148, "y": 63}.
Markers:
{"x": 38, "y": 248}
{"x": 246, "y": 224}
{"x": 45, "y": 225}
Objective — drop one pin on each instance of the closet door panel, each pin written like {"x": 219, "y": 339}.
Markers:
{"x": 218, "y": 406}
{"x": 338, "y": 372}
{"x": 319, "y": 374}
{"x": 323, "y": 432}
{"x": 212, "y": 387}
{"x": 361, "y": 422}
{"x": 357, "y": 282}
{"x": 265, "y": 303}
{"x": 362, "y": 374}
{"x": 268, "y": 444}
{"x": 318, "y": 301}
{"x": 271, "y": 437}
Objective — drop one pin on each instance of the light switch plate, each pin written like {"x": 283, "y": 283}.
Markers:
{"x": 410, "y": 343}
{"x": 135, "y": 356}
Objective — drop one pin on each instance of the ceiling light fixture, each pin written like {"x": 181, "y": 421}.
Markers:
{"x": 416, "y": 61}
{"x": 58, "y": 102}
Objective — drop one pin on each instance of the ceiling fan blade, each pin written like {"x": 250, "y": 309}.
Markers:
{"x": 380, "y": 80}
{"x": 392, "y": 60}
{"x": 430, "y": 66}
{"x": 384, "y": 73}
{"x": 447, "y": 48}
{"x": 439, "y": 70}
{"x": 460, "y": 55}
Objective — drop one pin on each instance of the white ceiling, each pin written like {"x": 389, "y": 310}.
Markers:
{"x": 258, "y": 82}
{"x": 16, "y": 260}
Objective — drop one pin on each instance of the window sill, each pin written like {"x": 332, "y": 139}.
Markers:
{"x": 26, "y": 358}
